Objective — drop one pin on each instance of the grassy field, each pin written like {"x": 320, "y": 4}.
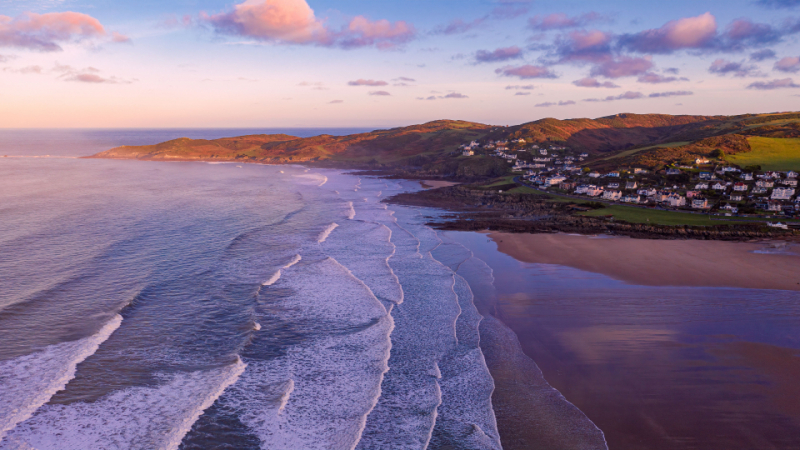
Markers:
{"x": 652, "y": 216}
{"x": 770, "y": 154}
{"x": 637, "y": 150}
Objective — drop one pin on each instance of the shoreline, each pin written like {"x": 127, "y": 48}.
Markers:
{"x": 649, "y": 262}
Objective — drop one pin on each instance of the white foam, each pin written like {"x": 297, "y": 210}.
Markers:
{"x": 139, "y": 417}
{"x": 28, "y": 382}
{"x": 257, "y": 326}
{"x": 318, "y": 394}
{"x": 327, "y": 232}
{"x": 325, "y": 180}
{"x": 294, "y": 261}
{"x": 351, "y": 213}
{"x": 275, "y": 277}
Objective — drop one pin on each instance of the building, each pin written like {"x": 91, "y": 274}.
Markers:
{"x": 613, "y": 185}
{"x": 700, "y": 203}
{"x": 740, "y": 187}
{"x": 647, "y": 192}
{"x": 631, "y": 198}
{"x": 673, "y": 171}
{"x": 676, "y": 201}
{"x": 594, "y": 175}
{"x": 594, "y": 191}
{"x": 700, "y": 161}
{"x": 765, "y": 184}
{"x": 554, "y": 180}
{"x": 780, "y": 193}
{"x": 701, "y": 186}
{"x": 737, "y": 197}
{"x": 791, "y": 174}
{"x": 774, "y": 207}
{"x": 613, "y": 174}
{"x": 747, "y": 176}
{"x": 718, "y": 187}
{"x": 640, "y": 171}
{"x": 467, "y": 153}
{"x": 789, "y": 182}
{"x": 692, "y": 194}
{"x": 631, "y": 185}
{"x": 705, "y": 175}
{"x": 612, "y": 195}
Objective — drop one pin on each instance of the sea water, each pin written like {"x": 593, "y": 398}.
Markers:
{"x": 166, "y": 305}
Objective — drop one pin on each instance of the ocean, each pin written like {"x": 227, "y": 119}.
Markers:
{"x": 191, "y": 305}
{"x": 166, "y": 305}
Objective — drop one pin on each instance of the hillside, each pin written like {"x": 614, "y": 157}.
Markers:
{"x": 650, "y": 140}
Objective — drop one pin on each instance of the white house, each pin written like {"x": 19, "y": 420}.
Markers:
{"x": 676, "y": 201}
{"x": 631, "y": 185}
{"x": 594, "y": 191}
{"x": 701, "y": 186}
{"x": 673, "y": 171}
{"x": 791, "y": 174}
{"x": 594, "y": 175}
{"x": 613, "y": 174}
{"x": 718, "y": 186}
{"x": 700, "y": 203}
{"x": 631, "y": 198}
{"x": 612, "y": 195}
{"x": 700, "y": 161}
{"x": 790, "y": 182}
{"x": 584, "y": 155}
{"x": 765, "y": 184}
{"x": 747, "y": 176}
{"x": 554, "y": 180}
{"x": 740, "y": 187}
{"x": 647, "y": 191}
{"x": 613, "y": 185}
{"x": 639, "y": 171}
{"x": 542, "y": 151}
{"x": 737, "y": 197}
{"x": 467, "y": 153}
{"x": 780, "y": 193}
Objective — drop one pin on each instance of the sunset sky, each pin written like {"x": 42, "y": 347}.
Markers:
{"x": 297, "y": 63}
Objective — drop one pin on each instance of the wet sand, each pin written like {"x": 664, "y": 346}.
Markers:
{"x": 655, "y": 368}
{"x": 663, "y": 262}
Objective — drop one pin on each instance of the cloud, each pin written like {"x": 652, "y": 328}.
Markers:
{"x": 410, "y": 80}
{"x": 774, "y": 84}
{"x": 44, "y": 32}
{"x": 593, "y": 83}
{"x": 623, "y": 66}
{"x": 522, "y": 93}
{"x": 335, "y": 102}
{"x": 584, "y": 46}
{"x": 779, "y": 3}
{"x": 526, "y": 72}
{"x": 743, "y": 32}
{"x": 670, "y": 94}
{"x": 120, "y": 38}
{"x": 561, "y": 21}
{"x": 363, "y": 82}
{"x": 549, "y": 104}
{"x": 789, "y": 64}
{"x": 630, "y": 95}
{"x": 500, "y": 54}
{"x": 455, "y": 95}
{"x": 25, "y": 70}
{"x": 510, "y": 10}
{"x": 654, "y": 78}
{"x": 687, "y": 33}
{"x": 762, "y": 55}
{"x": 738, "y": 69}
{"x": 526, "y": 87}
{"x": 458, "y": 26}
{"x": 379, "y": 93}
{"x": 294, "y": 22}
{"x": 90, "y": 78}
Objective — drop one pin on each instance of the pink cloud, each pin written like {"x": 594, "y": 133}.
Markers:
{"x": 44, "y": 32}
{"x": 120, "y": 38}
{"x": 526, "y": 72}
{"x": 363, "y": 82}
{"x": 670, "y": 94}
{"x": 455, "y": 95}
{"x": 624, "y": 66}
{"x": 294, "y": 22}
{"x": 593, "y": 83}
{"x": 739, "y": 69}
{"x": 687, "y": 33}
{"x": 379, "y": 93}
{"x": 788, "y": 64}
{"x": 630, "y": 95}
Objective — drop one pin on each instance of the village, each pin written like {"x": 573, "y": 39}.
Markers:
{"x": 709, "y": 185}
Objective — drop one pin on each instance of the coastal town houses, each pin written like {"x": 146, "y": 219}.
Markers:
{"x": 700, "y": 203}
{"x": 780, "y": 193}
{"x": 740, "y": 187}
{"x": 468, "y": 153}
{"x": 765, "y": 184}
{"x": 747, "y": 176}
{"x": 612, "y": 195}
{"x": 701, "y": 186}
{"x": 718, "y": 186}
{"x": 631, "y": 185}
{"x": 647, "y": 192}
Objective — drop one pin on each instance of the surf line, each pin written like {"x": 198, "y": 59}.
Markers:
{"x": 277, "y": 275}
{"x": 327, "y": 232}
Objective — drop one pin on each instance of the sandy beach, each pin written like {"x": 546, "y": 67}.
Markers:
{"x": 762, "y": 265}
{"x": 434, "y": 184}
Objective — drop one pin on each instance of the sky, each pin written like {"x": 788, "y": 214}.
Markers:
{"x": 358, "y": 63}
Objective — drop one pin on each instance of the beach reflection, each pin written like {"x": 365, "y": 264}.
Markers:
{"x": 655, "y": 367}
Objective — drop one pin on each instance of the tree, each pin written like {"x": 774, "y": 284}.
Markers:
{"x": 718, "y": 153}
